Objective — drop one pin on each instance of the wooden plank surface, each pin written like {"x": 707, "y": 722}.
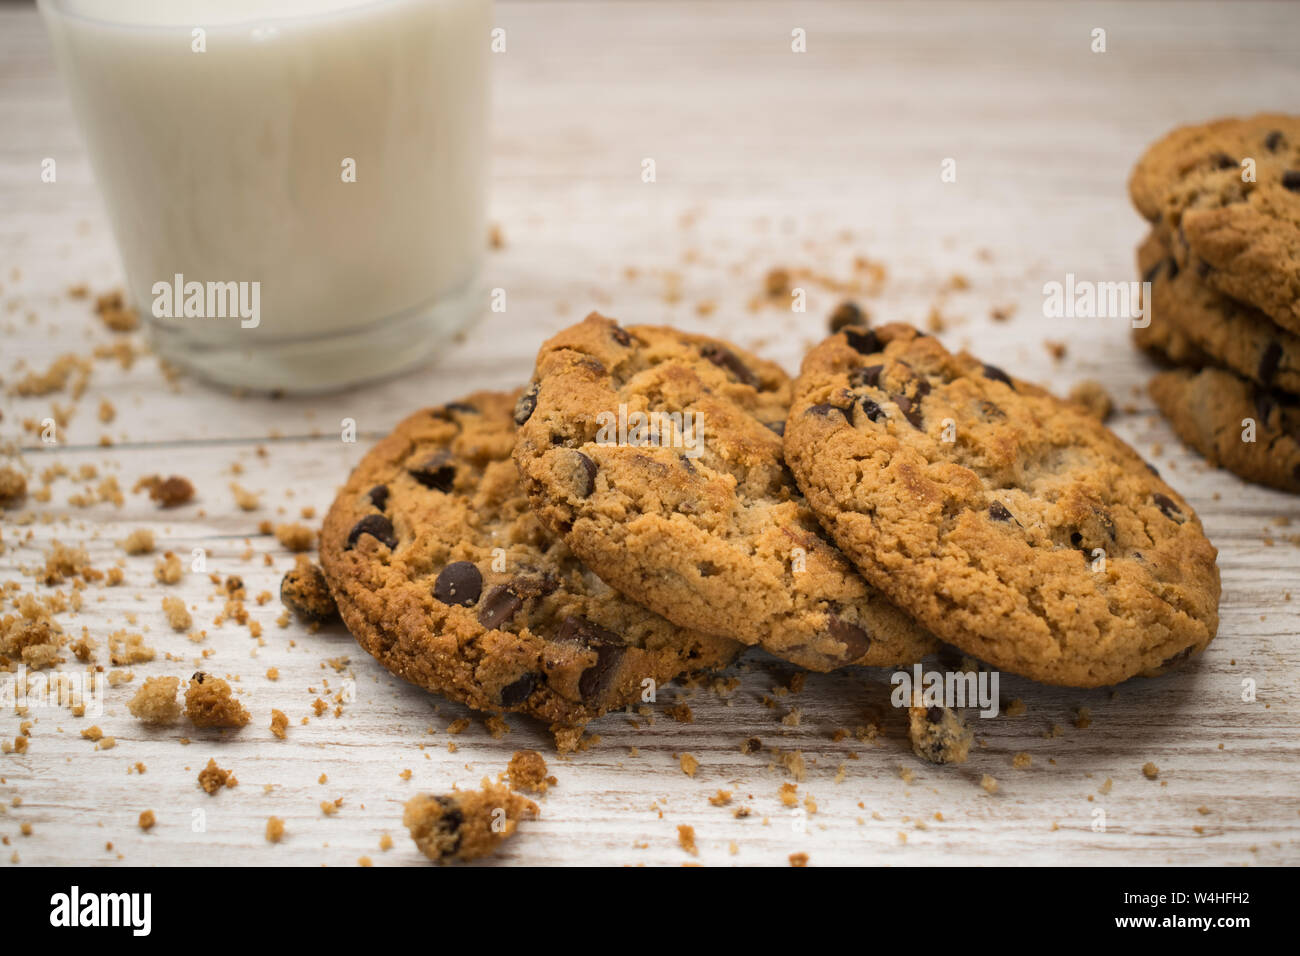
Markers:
{"x": 765, "y": 158}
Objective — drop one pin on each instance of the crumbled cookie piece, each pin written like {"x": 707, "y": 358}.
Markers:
{"x": 274, "y": 830}
{"x": 208, "y": 703}
{"x": 989, "y": 783}
{"x": 1094, "y": 398}
{"x": 798, "y": 859}
{"x": 147, "y": 820}
{"x": 304, "y": 591}
{"x": 212, "y": 778}
{"x": 116, "y": 315}
{"x": 939, "y": 734}
{"x": 689, "y": 764}
{"x": 168, "y": 569}
{"x": 139, "y": 541}
{"x": 465, "y": 825}
{"x": 13, "y": 487}
{"x": 178, "y": 616}
{"x": 279, "y": 724}
{"x": 1150, "y": 770}
{"x": 295, "y": 537}
{"x": 155, "y": 702}
{"x": 686, "y": 837}
{"x": 527, "y": 771}
{"x": 169, "y": 492}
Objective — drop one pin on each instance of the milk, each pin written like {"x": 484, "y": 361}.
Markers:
{"x": 328, "y": 154}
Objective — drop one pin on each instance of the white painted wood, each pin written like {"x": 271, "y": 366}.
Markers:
{"x": 764, "y": 158}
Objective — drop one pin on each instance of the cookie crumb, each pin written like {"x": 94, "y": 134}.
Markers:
{"x": 689, "y": 764}
{"x": 274, "y": 830}
{"x": 279, "y": 723}
{"x": 295, "y": 537}
{"x": 208, "y": 703}
{"x": 212, "y": 778}
{"x": 527, "y": 771}
{"x": 13, "y": 487}
{"x": 139, "y": 541}
{"x": 1150, "y": 770}
{"x": 178, "y": 616}
{"x": 147, "y": 820}
{"x": 155, "y": 702}
{"x": 989, "y": 783}
{"x": 465, "y": 825}
{"x": 798, "y": 859}
{"x": 303, "y": 591}
{"x": 938, "y": 734}
{"x": 686, "y": 837}
{"x": 1094, "y": 399}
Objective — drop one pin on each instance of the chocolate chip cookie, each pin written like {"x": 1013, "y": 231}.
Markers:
{"x": 1191, "y": 324}
{"x": 1251, "y": 431}
{"x": 1236, "y": 228}
{"x": 441, "y": 571}
{"x": 1013, "y": 524}
{"x": 656, "y": 455}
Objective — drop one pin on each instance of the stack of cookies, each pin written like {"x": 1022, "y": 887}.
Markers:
{"x": 655, "y": 501}
{"x": 1223, "y": 260}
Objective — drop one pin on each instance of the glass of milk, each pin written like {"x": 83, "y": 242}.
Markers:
{"x": 297, "y": 187}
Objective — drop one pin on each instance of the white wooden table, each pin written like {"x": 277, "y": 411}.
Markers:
{"x": 764, "y": 158}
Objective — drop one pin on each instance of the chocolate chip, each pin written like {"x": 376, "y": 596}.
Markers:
{"x": 778, "y": 427}
{"x": 458, "y": 583}
{"x": 934, "y": 714}
{"x": 379, "y": 496}
{"x": 998, "y": 512}
{"x": 518, "y": 691}
{"x": 1268, "y": 362}
{"x": 1166, "y": 505}
{"x": 1291, "y": 180}
{"x": 463, "y": 408}
{"x": 868, "y": 376}
{"x": 609, "y": 650}
{"x": 995, "y": 373}
{"x": 377, "y": 526}
{"x": 1178, "y": 658}
{"x": 991, "y": 411}
{"x": 1273, "y": 140}
{"x": 586, "y": 477}
{"x": 526, "y": 405}
{"x": 824, "y": 410}
{"x": 922, "y": 388}
{"x": 866, "y": 342}
{"x": 726, "y": 359}
{"x": 595, "y": 680}
{"x": 873, "y": 411}
{"x": 620, "y": 335}
{"x": 576, "y": 629}
{"x": 856, "y": 641}
{"x": 438, "y": 471}
{"x": 1223, "y": 160}
{"x": 911, "y": 410}
{"x": 499, "y": 606}
{"x": 845, "y": 314}
{"x": 1264, "y": 405}
{"x": 198, "y": 677}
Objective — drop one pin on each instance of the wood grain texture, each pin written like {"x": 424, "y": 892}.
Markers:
{"x": 764, "y": 158}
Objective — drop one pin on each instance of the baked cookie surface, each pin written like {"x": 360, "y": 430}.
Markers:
{"x": 1191, "y": 324}
{"x": 701, "y": 523}
{"x": 1208, "y": 409}
{"x": 1241, "y": 237}
{"x": 442, "y": 572}
{"x": 1011, "y": 523}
